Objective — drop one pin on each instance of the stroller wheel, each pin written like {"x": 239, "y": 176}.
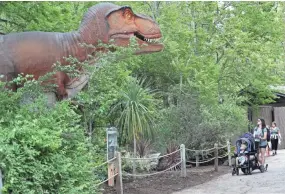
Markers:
{"x": 249, "y": 170}
{"x": 237, "y": 171}
{"x": 244, "y": 170}
{"x": 266, "y": 166}
{"x": 234, "y": 171}
{"x": 262, "y": 169}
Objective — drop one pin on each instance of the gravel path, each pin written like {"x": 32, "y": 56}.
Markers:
{"x": 272, "y": 181}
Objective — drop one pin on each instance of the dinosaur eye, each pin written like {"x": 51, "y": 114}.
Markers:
{"x": 128, "y": 14}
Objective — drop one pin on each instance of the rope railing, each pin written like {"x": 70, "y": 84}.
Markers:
{"x": 186, "y": 149}
{"x": 107, "y": 179}
{"x": 153, "y": 157}
{"x": 208, "y": 160}
{"x": 105, "y": 163}
{"x": 141, "y": 175}
{"x": 208, "y": 150}
{"x": 115, "y": 164}
{"x": 220, "y": 157}
{"x": 182, "y": 162}
{"x": 216, "y": 149}
{"x": 216, "y": 157}
{"x": 114, "y": 169}
{"x": 201, "y": 162}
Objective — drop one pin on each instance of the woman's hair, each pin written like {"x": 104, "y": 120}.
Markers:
{"x": 274, "y": 123}
{"x": 263, "y": 125}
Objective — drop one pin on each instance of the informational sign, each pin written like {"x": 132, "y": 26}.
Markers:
{"x": 112, "y": 143}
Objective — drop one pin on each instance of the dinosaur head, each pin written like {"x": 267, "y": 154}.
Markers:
{"x": 106, "y": 22}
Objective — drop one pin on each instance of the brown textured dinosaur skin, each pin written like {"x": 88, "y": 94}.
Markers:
{"x": 34, "y": 53}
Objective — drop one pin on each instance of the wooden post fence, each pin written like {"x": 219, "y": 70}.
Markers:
{"x": 183, "y": 160}
{"x": 119, "y": 178}
{"x": 197, "y": 158}
{"x": 111, "y": 172}
{"x": 216, "y": 157}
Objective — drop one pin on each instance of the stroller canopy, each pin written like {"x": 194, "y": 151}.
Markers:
{"x": 248, "y": 139}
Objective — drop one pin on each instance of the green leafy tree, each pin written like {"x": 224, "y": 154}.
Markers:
{"x": 41, "y": 16}
{"x": 227, "y": 53}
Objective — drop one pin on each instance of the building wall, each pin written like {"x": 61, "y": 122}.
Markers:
{"x": 279, "y": 114}
{"x": 270, "y": 114}
{"x": 264, "y": 112}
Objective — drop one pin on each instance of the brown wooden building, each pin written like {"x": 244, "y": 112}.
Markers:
{"x": 271, "y": 112}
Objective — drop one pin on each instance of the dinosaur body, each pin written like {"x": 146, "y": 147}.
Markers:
{"x": 34, "y": 53}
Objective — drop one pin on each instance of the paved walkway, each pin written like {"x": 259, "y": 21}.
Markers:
{"x": 270, "y": 182}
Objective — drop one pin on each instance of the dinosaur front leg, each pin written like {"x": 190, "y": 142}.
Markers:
{"x": 62, "y": 79}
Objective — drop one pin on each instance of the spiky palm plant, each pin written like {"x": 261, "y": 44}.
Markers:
{"x": 137, "y": 105}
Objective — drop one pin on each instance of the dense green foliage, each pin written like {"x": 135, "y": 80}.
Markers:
{"x": 43, "y": 150}
{"x": 217, "y": 58}
{"x": 44, "y": 16}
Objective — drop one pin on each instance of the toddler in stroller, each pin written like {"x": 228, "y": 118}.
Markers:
{"x": 246, "y": 155}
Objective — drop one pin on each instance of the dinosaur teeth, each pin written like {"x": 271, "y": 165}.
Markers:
{"x": 152, "y": 40}
{"x": 148, "y": 40}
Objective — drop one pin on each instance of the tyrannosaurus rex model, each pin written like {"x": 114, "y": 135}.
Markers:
{"x": 34, "y": 53}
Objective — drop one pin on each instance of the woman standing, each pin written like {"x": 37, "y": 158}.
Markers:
{"x": 275, "y": 137}
{"x": 260, "y": 135}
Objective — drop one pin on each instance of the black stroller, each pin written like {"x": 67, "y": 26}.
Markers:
{"x": 246, "y": 156}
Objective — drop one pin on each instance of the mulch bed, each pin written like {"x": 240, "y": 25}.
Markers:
{"x": 168, "y": 182}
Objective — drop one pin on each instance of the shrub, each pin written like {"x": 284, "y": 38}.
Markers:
{"x": 43, "y": 150}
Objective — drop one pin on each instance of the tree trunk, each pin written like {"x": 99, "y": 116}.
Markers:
{"x": 135, "y": 153}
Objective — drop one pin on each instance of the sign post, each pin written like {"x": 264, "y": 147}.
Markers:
{"x": 112, "y": 144}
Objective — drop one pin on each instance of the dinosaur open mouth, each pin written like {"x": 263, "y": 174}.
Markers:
{"x": 152, "y": 42}
{"x": 146, "y": 39}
